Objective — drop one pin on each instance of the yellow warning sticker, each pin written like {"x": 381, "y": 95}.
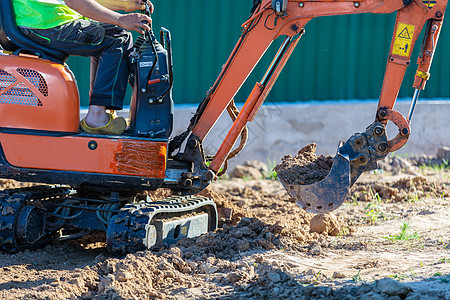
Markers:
{"x": 429, "y": 3}
{"x": 403, "y": 39}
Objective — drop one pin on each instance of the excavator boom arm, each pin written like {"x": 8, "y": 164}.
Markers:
{"x": 271, "y": 19}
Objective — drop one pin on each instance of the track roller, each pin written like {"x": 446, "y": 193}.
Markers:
{"x": 23, "y": 217}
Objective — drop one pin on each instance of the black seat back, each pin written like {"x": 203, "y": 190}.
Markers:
{"x": 12, "y": 39}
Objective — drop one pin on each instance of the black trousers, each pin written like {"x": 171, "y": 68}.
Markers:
{"x": 108, "y": 46}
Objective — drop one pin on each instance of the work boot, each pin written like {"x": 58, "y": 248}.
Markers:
{"x": 115, "y": 126}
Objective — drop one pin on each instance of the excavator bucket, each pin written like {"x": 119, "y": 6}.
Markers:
{"x": 358, "y": 154}
{"x": 325, "y": 195}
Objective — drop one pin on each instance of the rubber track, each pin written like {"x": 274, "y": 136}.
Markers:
{"x": 11, "y": 202}
{"x": 130, "y": 224}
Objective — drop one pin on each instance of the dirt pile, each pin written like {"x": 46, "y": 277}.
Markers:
{"x": 215, "y": 257}
{"x": 268, "y": 201}
{"x": 178, "y": 274}
{"x": 304, "y": 168}
{"x": 412, "y": 163}
{"x": 410, "y": 188}
{"x": 267, "y": 247}
{"x": 229, "y": 212}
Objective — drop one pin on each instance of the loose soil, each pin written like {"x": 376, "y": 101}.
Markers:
{"x": 390, "y": 240}
{"x": 304, "y": 168}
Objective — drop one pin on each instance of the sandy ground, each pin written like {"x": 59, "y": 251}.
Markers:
{"x": 390, "y": 240}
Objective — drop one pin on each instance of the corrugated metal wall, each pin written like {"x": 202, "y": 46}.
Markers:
{"x": 341, "y": 57}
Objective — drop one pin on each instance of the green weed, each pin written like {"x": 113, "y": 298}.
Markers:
{"x": 403, "y": 276}
{"x": 357, "y": 277}
{"x": 404, "y": 235}
{"x": 435, "y": 167}
{"x": 441, "y": 261}
{"x": 271, "y": 174}
{"x": 443, "y": 166}
{"x": 373, "y": 210}
{"x": 377, "y": 171}
{"x": 413, "y": 198}
{"x": 399, "y": 277}
{"x": 354, "y": 201}
{"x": 343, "y": 232}
{"x": 246, "y": 178}
{"x": 316, "y": 277}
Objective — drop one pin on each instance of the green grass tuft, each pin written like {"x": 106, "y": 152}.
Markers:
{"x": 404, "y": 235}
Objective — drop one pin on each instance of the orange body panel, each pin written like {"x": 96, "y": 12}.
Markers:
{"x": 37, "y": 94}
{"x": 86, "y": 154}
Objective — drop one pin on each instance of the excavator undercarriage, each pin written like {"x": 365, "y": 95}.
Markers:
{"x": 34, "y": 216}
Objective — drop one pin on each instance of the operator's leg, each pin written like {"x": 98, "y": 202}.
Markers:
{"x": 109, "y": 46}
{"x": 108, "y": 85}
{"x": 96, "y": 115}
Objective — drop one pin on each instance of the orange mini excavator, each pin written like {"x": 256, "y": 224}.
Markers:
{"x": 96, "y": 182}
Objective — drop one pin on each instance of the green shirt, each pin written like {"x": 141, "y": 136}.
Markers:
{"x": 43, "y": 14}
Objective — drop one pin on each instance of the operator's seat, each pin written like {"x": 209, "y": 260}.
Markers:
{"x": 12, "y": 39}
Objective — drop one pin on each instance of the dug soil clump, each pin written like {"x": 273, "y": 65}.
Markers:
{"x": 304, "y": 168}
{"x": 326, "y": 223}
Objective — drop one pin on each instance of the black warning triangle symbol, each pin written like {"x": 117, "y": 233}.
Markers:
{"x": 404, "y": 34}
